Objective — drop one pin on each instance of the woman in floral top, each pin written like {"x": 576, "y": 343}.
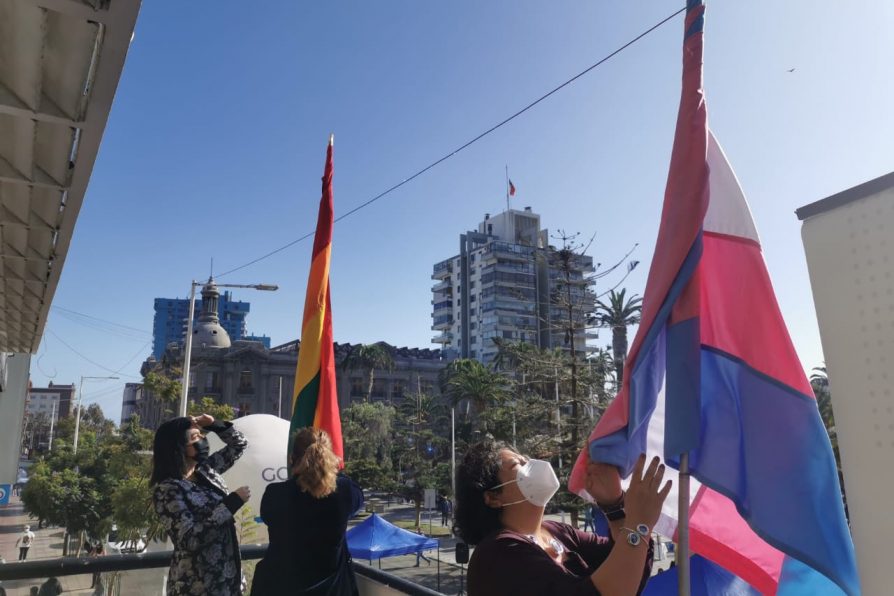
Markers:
{"x": 195, "y": 508}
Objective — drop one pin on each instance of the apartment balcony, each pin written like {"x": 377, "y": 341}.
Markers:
{"x": 442, "y": 307}
{"x": 442, "y": 323}
{"x": 443, "y": 269}
{"x": 444, "y": 286}
{"x": 444, "y": 338}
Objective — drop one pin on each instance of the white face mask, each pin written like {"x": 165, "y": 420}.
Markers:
{"x": 537, "y": 482}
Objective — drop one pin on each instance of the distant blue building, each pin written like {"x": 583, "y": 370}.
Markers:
{"x": 171, "y": 314}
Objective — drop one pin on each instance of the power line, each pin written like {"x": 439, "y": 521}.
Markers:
{"x": 66, "y": 311}
{"x": 467, "y": 144}
{"x": 93, "y": 362}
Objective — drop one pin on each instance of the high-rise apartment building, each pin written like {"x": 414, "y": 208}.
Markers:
{"x": 508, "y": 282}
{"x": 169, "y": 325}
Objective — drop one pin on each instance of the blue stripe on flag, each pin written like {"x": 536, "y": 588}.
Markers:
{"x": 683, "y": 409}
{"x": 623, "y": 447}
{"x": 764, "y": 447}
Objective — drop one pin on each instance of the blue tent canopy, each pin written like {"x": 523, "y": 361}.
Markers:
{"x": 375, "y": 538}
{"x": 706, "y": 579}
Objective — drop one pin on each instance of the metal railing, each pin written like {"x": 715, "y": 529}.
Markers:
{"x": 66, "y": 566}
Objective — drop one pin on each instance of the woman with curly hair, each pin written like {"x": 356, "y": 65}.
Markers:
{"x": 306, "y": 518}
{"x": 501, "y": 497}
{"x": 195, "y": 507}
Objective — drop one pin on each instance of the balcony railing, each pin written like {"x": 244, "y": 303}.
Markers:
{"x": 122, "y": 579}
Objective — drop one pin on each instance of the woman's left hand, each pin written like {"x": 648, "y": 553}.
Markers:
{"x": 603, "y": 483}
{"x": 202, "y": 421}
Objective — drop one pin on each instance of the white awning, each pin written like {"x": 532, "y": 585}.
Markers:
{"x": 60, "y": 62}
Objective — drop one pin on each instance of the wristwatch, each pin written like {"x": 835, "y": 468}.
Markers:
{"x": 615, "y": 511}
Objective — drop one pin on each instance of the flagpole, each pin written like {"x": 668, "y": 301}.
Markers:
{"x": 681, "y": 556}
{"x": 507, "y": 188}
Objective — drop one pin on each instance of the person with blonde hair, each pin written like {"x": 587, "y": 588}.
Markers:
{"x": 306, "y": 518}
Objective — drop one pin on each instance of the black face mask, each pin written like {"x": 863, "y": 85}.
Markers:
{"x": 202, "y": 449}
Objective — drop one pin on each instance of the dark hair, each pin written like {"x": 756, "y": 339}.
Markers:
{"x": 169, "y": 450}
{"x": 474, "y": 519}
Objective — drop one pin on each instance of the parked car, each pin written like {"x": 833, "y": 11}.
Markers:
{"x": 116, "y": 544}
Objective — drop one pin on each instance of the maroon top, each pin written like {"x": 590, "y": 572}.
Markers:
{"x": 510, "y": 563}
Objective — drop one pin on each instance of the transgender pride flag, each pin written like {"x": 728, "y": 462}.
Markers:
{"x": 714, "y": 374}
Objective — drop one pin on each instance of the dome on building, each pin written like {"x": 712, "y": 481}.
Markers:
{"x": 208, "y": 332}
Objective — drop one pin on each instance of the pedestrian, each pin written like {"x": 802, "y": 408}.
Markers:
{"x": 195, "y": 507}
{"x": 444, "y": 508}
{"x": 24, "y": 542}
{"x": 306, "y": 518}
{"x": 419, "y": 553}
{"x": 588, "y": 519}
{"x": 51, "y": 587}
{"x": 98, "y": 583}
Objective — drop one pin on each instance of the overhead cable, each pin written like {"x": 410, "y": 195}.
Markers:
{"x": 465, "y": 145}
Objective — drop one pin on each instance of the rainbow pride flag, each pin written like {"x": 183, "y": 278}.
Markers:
{"x": 714, "y": 374}
{"x": 315, "y": 399}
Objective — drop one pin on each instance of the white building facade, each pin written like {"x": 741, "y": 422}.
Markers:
{"x": 507, "y": 282}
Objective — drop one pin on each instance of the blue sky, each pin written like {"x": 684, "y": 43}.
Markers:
{"x": 216, "y": 141}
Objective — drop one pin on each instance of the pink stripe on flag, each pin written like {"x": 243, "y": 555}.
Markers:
{"x": 739, "y": 312}
{"x": 719, "y": 533}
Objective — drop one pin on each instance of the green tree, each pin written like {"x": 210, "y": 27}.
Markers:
{"x": 165, "y": 387}
{"x": 368, "y": 431}
{"x": 617, "y": 314}
{"x": 207, "y": 405}
{"x": 473, "y": 389}
{"x": 369, "y": 358}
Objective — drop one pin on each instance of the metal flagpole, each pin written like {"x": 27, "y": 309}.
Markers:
{"x": 681, "y": 556}
{"x": 507, "y": 188}
{"x": 279, "y": 407}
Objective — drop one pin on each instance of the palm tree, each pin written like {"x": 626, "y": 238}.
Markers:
{"x": 470, "y": 381}
{"x": 369, "y": 357}
{"x": 618, "y": 314}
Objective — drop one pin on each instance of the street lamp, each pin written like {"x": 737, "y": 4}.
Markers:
{"x": 187, "y": 349}
{"x": 78, "y": 412}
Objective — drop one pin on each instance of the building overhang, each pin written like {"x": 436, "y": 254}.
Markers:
{"x": 60, "y": 63}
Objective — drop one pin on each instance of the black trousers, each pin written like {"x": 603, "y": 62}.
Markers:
{"x": 23, "y": 552}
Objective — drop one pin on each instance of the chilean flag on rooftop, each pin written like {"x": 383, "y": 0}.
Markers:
{"x": 713, "y": 373}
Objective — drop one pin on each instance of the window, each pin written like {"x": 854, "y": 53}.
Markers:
{"x": 245, "y": 383}
{"x": 378, "y": 391}
{"x": 211, "y": 382}
{"x": 358, "y": 387}
{"x": 473, "y": 340}
{"x": 243, "y": 409}
{"x": 397, "y": 390}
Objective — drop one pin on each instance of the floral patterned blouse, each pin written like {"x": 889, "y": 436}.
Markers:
{"x": 198, "y": 516}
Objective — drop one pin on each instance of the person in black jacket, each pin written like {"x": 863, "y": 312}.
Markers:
{"x": 306, "y": 518}
{"x": 195, "y": 507}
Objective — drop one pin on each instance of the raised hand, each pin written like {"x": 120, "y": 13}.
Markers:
{"x": 202, "y": 421}
{"x": 603, "y": 483}
{"x": 645, "y": 495}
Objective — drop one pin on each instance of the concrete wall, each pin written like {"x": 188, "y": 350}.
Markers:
{"x": 12, "y": 408}
{"x": 850, "y": 256}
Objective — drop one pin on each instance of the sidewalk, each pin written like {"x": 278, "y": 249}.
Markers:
{"x": 47, "y": 545}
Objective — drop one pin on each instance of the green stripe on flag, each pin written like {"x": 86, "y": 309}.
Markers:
{"x": 305, "y": 406}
